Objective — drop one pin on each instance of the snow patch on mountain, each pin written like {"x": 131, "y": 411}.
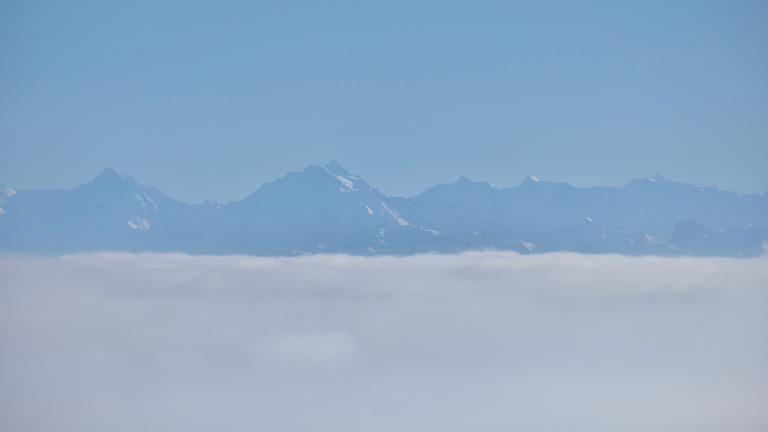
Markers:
{"x": 143, "y": 199}
{"x": 400, "y": 221}
{"x": 138, "y": 223}
{"x": 6, "y": 192}
{"x": 342, "y": 176}
{"x": 151, "y": 201}
{"x": 348, "y": 184}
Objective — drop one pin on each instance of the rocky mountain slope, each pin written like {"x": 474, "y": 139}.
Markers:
{"x": 325, "y": 209}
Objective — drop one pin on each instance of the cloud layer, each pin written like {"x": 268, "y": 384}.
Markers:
{"x": 480, "y": 341}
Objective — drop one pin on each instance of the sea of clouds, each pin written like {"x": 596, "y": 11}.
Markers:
{"x": 478, "y": 341}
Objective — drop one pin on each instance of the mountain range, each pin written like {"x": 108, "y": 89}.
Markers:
{"x": 325, "y": 209}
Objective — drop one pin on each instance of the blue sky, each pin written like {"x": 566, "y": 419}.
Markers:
{"x": 208, "y": 100}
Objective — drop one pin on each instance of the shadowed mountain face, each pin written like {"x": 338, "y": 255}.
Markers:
{"x": 327, "y": 209}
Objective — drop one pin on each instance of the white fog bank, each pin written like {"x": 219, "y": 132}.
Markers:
{"x": 480, "y": 341}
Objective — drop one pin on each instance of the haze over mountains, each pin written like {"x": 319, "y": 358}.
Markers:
{"x": 325, "y": 209}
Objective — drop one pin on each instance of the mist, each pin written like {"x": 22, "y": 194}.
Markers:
{"x": 486, "y": 341}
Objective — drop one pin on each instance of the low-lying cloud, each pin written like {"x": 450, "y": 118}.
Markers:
{"x": 479, "y": 341}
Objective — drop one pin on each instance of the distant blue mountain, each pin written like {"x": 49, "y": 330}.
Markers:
{"x": 325, "y": 209}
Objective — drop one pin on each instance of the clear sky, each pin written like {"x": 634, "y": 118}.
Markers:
{"x": 210, "y": 99}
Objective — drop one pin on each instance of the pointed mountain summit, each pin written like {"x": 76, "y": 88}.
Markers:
{"x": 322, "y": 208}
{"x": 111, "y": 212}
{"x": 112, "y": 188}
{"x": 463, "y": 181}
{"x": 531, "y": 179}
{"x": 315, "y": 183}
{"x": 111, "y": 173}
{"x": 335, "y": 168}
{"x": 112, "y": 178}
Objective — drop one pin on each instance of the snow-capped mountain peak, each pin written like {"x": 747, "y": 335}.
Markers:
{"x": 335, "y": 168}
{"x": 532, "y": 181}
{"x": 111, "y": 177}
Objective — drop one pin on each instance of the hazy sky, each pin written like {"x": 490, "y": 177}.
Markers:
{"x": 483, "y": 341}
{"x": 208, "y": 100}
